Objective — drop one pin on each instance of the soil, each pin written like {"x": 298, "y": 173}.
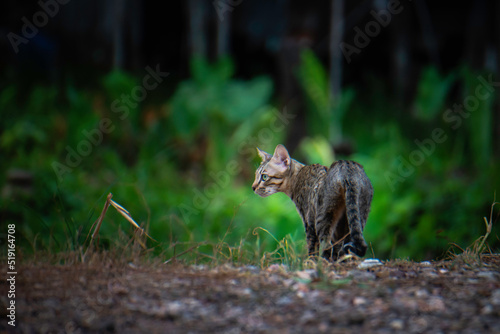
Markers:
{"x": 389, "y": 297}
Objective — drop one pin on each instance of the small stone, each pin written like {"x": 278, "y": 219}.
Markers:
{"x": 199, "y": 267}
{"x": 307, "y": 275}
{"x": 308, "y": 317}
{"x": 431, "y": 274}
{"x": 487, "y": 274}
{"x": 418, "y": 324}
{"x": 495, "y": 297}
{"x": 361, "y": 276}
{"x": 301, "y": 289}
{"x": 487, "y": 310}
{"x": 397, "y": 324}
{"x": 250, "y": 269}
{"x": 244, "y": 292}
{"x": 288, "y": 282}
{"x": 436, "y": 304}
{"x": 277, "y": 268}
{"x": 358, "y": 301}
{"x": 172, "y": 310}
{"x": 368, "y": 263}
{"x": 300, "y": 294}
{"x": 421, "y": 293}
{"x": 383, "y": 274}
{"x": 323, "y": 327}
{"x": 284, "y": 301}
{"x": 426, "y": 263}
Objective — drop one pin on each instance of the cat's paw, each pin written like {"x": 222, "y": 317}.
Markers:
{"x": 358, "y": 249}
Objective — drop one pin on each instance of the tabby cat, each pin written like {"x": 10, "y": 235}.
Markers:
{"x": 333, "y": 202}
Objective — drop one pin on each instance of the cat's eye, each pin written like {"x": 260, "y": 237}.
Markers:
{"x": 265, "y": 177}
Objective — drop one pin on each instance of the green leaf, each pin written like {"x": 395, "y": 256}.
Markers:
{"x": 317, "y": 150}
{"x": 432, "y": 91}
{"x": 117, "y": 83}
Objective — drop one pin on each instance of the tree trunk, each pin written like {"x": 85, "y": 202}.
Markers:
{"x": 496, "y": 105}
{"x": 197, "y": 36}
{"x": 118, "y": 32}
{"x": 223, "y": 35}
{"x": 336, "y": 35}
{"x": 403, "y": 80}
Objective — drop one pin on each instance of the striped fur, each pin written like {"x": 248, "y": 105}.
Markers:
{"x": 333, "y": 202}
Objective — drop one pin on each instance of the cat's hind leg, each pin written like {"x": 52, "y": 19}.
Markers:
{"x": 325, "y": 226}
{"x": 324, "y": 231}
{"x": 312, "y": 239}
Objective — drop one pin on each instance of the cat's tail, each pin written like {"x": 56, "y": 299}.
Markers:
{"x": 352, "y": 208}
{"x": 357, "y": 244}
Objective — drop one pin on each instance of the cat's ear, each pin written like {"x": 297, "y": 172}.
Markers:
{"x": 264, "y": 155}
{"x": 282, "y": 157}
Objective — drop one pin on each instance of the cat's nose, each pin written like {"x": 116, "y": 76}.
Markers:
{"x": 254, "y": 187}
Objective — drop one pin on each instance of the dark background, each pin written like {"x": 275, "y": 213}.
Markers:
{"x": 260, "y": 34}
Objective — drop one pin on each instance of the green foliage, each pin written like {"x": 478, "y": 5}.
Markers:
{"x": 117, "y": 83}
{"x": 325, "y": 115}
{"x": 26, "y": 132}
{"x": 317, "y": 150}
{"x": 439, "y": 193}
{"x": 211, "y": 107}
{"x": 314, "y": 81}
{"x": 186, "y": 176}
{"x": 480, "y": 123}
{"x": 184, "y": 184}
{"x": 432, "y": 92}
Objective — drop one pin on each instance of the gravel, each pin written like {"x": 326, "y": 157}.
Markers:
{"x": 367, "y": 296}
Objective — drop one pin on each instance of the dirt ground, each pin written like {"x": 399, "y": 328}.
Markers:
{"x": 391, "y": 297}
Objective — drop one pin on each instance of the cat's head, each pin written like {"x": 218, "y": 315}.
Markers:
{"x": 272, "y": 173}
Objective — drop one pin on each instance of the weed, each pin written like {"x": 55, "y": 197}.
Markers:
{"x": 286, "y": 252}
{"x": 97, "y": 225}
{"x": 472, "y": 255}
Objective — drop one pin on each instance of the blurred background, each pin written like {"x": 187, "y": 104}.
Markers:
{"x": 163, "y": 104}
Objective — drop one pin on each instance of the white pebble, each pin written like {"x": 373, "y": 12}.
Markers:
{"x": 368, "y": 263}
